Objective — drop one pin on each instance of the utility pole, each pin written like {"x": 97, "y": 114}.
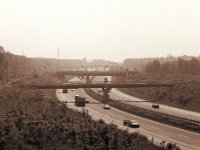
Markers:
{"x": 58, "y": 53}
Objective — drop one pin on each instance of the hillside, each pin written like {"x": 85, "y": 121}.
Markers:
{"x": 14, "y": 67}
{"x": 184, "y": 95}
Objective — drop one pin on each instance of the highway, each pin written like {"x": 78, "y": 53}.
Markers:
{"x": 184, "y": 139}
{"x": 115, "y": 94}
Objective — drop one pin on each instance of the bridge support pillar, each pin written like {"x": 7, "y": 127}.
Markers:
{"x": 87, "y": 79}
{"x": 106, "y": 92}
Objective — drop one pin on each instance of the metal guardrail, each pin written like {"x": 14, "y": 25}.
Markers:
{"x": 161, "y": 114}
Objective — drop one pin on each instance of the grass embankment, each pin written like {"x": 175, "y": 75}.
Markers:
{"x": 184, "y": 95}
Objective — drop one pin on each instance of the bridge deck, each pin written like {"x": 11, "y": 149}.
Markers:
{"x": 99, "y": 85}
{"x": 92, "y": 73}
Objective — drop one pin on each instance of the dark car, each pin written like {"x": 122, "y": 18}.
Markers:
{"x": 131, "y": 123}
{"x": 156, "y": 106}
{"x": 65, "y": 91}
{"x": 126, "y": 122}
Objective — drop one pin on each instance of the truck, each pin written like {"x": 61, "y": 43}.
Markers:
{"x": 79, "y": 101}
{"x": 76, "y": 96}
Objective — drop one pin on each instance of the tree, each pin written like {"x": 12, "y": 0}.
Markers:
{"x": 165, "y": 68}
{"x": 2, "y": 51}
{"x": 3, "y": 66}
{"x": 148, "y": 68}
{"x": 153, "y": 67}
{"x": 194, "y": 66}
{"x": 156, "y": 66}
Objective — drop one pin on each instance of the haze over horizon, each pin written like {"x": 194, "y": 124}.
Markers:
{"x": 104, "y": 29}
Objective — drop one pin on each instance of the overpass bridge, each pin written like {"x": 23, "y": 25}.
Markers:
{"x": 85, "y": 67}
{"x": 90, "y": 66}
{"x": 106, "y": 87}
{"x": 40, "y": 85}
{"x": 96, "y": 73}
{"x": 92, "y": 73}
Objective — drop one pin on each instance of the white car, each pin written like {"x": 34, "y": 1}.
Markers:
{"x": 106, "y": 106}
{"x": 99, "y": 90}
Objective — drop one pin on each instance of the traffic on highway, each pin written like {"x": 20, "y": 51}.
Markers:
{"x": 116, "y": 94}
{"x": 153, "y": 130}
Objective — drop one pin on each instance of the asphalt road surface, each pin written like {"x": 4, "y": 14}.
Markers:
{"x": 115, "y": 94}
{"x": 159, "y": 132}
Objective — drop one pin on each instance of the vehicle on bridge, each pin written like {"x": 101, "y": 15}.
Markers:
{"x": 131, "y": 123}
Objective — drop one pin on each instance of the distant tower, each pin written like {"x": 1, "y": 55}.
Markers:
{"x": 58, "y": 53}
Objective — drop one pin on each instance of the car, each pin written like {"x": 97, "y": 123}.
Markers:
{"x": 106, "y": 106}
{"x": 72, "y": 89}
{"x": 65, "y": 91}
{"x": 105, "y": 80}
{"x": 99, "y": 90}
{"x": 126, "y": 122}
{"x": 156, "y": 106}
{"x": 131, "y": 123}
{"x": 87, "y": 101}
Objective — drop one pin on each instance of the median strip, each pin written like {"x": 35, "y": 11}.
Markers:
{"x": 191, "y": 125}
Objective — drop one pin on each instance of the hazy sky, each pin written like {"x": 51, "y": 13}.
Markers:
{"x": 107, "y": 29}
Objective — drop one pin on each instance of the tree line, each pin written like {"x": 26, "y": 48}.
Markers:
{"x": 16, "y": 66}
{"x": 179, "y": 66}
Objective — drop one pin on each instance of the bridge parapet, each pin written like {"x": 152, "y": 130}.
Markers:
{"x": 99, "y": 85}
